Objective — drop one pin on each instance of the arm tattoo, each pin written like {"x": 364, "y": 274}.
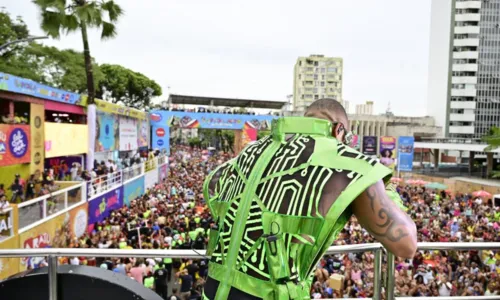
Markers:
{"x": 389, "y": 222}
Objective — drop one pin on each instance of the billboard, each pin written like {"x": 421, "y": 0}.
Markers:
{"x": 115, "y": 109}
{"x": 100, "y": 207}
{"x": 14, "y": 144}
{"x": 133, "y": 189}
{"x": 106, "y": 132}
{"x": 37, "y": 122}
{"x": 24, "y": 86}
{"x": 143, "y": 133}
{"x": 161, "y": 137}
{"x": 128, "y": 134}
{"x": 405, "y": 153}
{"x": 56, "y": 232}
{"x": 388, "y": 151}
{"x": 369, "y": 145}
{"x": 65, "y": 139}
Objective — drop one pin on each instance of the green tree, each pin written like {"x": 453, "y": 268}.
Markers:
{"x": 124, "y": 85}
{"x": 493, "y": 140}
{"x": 66, "y": 16}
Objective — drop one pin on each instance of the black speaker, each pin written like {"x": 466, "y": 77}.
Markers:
{"x": 75, "y": 283}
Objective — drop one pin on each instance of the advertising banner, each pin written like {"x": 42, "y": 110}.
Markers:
{"x": 54, "y": 233}
{"x": 388, "y": 151}
{"x": 355, "y": 142}
{"x": 249, "y": 135}
{"x": 20, "y": 85}
{"x": 405, "y": 153}
{"x": 209, "y": 120}
{"x": 162, "y": 172}
{"x": 128, "y": 134}
{"x": 106, "y": 132}
{"x": 37, "y": 121}
{"x": 116, "y": 109}
{"x": 132, "y": 190}
{"x": 161, "y": 138}
{"x": 151, "y": 179}
{"x": 143, "y": 136}
{"x": 370, "y": 145}
{"x": 8, "y": 265}
{"x": 14, "y": 144}
{"x": 65, "y": 139}
{"x": 100, "y": 207}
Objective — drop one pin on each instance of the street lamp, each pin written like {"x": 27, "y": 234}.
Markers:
{"x": 28, "y": 39}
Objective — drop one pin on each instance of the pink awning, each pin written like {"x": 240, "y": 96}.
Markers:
{"x": 63, "y": 107}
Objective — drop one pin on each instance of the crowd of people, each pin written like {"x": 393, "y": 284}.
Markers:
{"x": 174, "y": 215}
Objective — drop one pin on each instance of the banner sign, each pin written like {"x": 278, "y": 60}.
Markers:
{"x": 112, "y": 108}
{"x": 405, "y": 154}
{"x": 355, "y": 142}
{"x": 24, "y": 86}
{"x": 65, "y": 139}
{"x": 163, "y": 172}
{"x": 209, "y": 120}
{"x": 54, "y": 233}
{"x": 37, "y": 121}
{"x": 106, "y": 132}
{"x": 161, "y": 137}
{"x": 100, "y": 207}
{"x": 128, "y": 134}
{"x": 388, "y": 151}
{"x": 14, "y": 144}
{"x": 132, "y": 190}
{"x": 370, "y": 145}
{"x": 143, "y": 133}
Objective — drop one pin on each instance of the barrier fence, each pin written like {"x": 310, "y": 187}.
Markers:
{"x": 52, "y": 255}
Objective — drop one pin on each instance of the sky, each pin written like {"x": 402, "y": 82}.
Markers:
{"x": 248, "y": 49}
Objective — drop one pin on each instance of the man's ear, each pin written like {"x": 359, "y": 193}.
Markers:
{"x": 339, "y": 132}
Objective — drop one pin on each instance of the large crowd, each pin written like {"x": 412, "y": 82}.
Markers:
{"x": 174, "y": 215}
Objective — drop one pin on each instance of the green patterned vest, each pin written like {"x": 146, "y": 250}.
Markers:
{"x": 269, "y": 234}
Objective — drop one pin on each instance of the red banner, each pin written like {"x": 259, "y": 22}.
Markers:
{"x": 14, "y": 144}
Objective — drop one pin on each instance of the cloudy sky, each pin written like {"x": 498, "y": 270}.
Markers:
{"x": 247, "y": 49}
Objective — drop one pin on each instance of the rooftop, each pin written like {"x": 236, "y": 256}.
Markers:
{"x": 228, "y": 102}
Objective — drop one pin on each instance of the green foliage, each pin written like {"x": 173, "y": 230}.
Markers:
{"x": 124, "y": 85}
{"x": 263, "y": 133}
{"x": 492, "y": 139}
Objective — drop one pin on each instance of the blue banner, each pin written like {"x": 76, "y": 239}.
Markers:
{"x": 20, "y": 85}
{"x": 132, "y": 190}
{"x": 100, "y": 208}
{"x": 209, "y": 120}
{"x": 107, "y": 132}
{"x": 161, "y": 137}
{"x": 405, "y": 153}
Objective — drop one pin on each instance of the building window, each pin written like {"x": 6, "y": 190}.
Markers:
{"x": 323, "y": 70}
{"x": 332, "y": 70}
{"x": 315, "y": 90}
{"x": 322, "y": 83}
{"x": 315, "y": 76}
{"x": 316, "y": 97}
{"x": 322, "y": 77}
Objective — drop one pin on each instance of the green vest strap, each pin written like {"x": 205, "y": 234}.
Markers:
{"x": 296, "y": 225}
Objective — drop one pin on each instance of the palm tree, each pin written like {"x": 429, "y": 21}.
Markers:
{"x": 493, "y": 140}
{"x": 71, "y": 15}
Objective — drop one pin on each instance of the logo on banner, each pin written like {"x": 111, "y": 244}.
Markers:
{"x": 155, "y": 117}
{"x": 106, "y": 129}
{"x": 159, "y": 143}
{"x": 160, "y": 132}
{"x": 38, "y": 122}
{"x": 18, "y": 143}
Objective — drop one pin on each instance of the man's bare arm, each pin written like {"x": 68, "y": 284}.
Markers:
{"x": 386, "y": 221}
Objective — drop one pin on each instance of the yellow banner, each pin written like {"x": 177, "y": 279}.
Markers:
{"x": 9, "y": 266}
{"x": 37, "y": 120}
{"x": 112, "y": 108}
{"x": 65, "y": 139}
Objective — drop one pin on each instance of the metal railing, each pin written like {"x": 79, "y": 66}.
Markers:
{"x": 34, "y": 211}
{"x": 132, "y": 172}
{"x": 104, "y": 183}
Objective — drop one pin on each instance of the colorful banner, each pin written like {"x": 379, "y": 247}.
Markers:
{"x": 405, "y": 153}
{"x": 62, "y": 139}
{"x": 370, "y": 145}
{"x": 161, "y": 137}
{"x": 249, "y": 134}
{"x": 209, "y": 120}
{"x": 14, "y": 144}
{"x": 107, "y": 132}
{"x": 128, "y": 134}
{"x": 132, "y": 190}
{"x": 355, "y": 142}
{"x": 20, "y": 85}
{"x": 116, "y": 109}
{"x": 8, "y": 265}
{"x": 163, "y": 172}
{"x": 55, "y": 233}
{"x": 143, "y": 133}
{"x": 100, "y": 207}
{"x": 37, "y": 121}
{"x": 388, "y": 151}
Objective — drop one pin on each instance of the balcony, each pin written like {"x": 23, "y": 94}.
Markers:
{"x": 463, "y": 104}
{"x": 464, "y": 67}
{"x": 466, "y": 55}
{"x": 461, "y": 129}
{"x": 467, "y": 29}
{"x": 463, "y": 117}
{"x": 465, "y": 80}
{"x": 465, "y": 42}
{"x": 468, "y": 17}
{"x": 463, "y": 92}
{"x": 468, "y": 4}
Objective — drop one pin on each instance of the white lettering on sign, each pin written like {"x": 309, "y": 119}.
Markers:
{"x": 17, "y": 143}
{"x": 5, "y": 225}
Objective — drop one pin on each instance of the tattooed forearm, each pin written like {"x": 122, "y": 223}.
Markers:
{"x": 389, "y": 225}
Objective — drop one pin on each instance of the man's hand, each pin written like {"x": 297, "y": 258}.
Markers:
{"x": 386, "y": 221}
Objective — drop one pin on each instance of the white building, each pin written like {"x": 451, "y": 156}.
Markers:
{"x": 464, "y": 75}
{"x": 364, "y": 109}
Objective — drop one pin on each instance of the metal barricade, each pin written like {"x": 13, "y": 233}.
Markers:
{"x": 104, "y": 183}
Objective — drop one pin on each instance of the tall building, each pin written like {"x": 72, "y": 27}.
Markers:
{"x": 365, "y": 109}
{"x": 316, "y": 77}
{"x": 464, "y": 66}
